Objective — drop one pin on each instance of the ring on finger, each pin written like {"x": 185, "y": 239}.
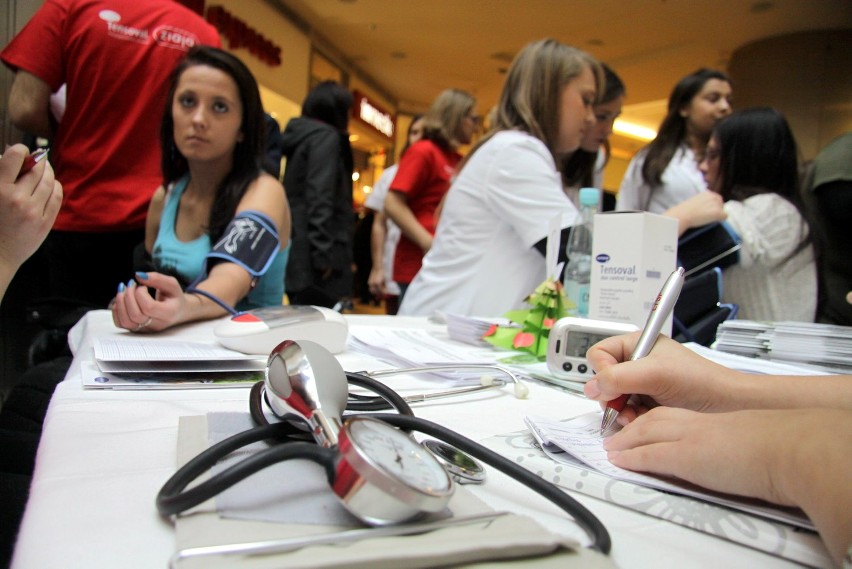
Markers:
{"x": 144, "y": 324}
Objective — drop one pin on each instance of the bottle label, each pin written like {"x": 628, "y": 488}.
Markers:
{"x": 578, "y": 294}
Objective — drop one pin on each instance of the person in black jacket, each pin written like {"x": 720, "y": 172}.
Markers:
{"x": 318, "y": 179}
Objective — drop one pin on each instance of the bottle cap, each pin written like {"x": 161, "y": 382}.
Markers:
{"x": 589, "y": 196}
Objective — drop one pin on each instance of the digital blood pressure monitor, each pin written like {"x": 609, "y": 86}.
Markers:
{"x": 569, "y": 340}
{"x": 260, "y": 330}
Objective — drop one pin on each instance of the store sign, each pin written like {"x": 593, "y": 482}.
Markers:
{"x": 373, "y": 115}
{"x": 239, "y": 34}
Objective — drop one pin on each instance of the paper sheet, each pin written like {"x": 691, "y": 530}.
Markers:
{"x": 775, "y": 538}
{"x": 580, "y": 437}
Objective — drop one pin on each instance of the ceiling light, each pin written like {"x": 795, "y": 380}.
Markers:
{"x": 633, "y": 130}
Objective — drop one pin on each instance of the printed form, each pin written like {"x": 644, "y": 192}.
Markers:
{"x": 580, "y": 438}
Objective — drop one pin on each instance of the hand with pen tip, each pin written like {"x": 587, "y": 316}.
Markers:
{"x": 29, "y": 202}
{"x": 657, "y": 379}
{"x": 784, "y": 439}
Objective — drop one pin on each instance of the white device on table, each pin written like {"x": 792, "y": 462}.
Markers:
{"x": 260, "y": 330}
{"x": 569, "y": 340}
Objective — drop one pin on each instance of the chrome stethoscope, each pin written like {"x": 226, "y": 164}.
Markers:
{"x": 377, "y": 470}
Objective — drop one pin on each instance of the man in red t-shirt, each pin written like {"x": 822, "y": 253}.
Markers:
{"x": 115, "y": 56}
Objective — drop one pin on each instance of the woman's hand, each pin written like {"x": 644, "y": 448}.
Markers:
{"x": 670, "y": 375}
{"x": 28, "y": 206}
{"x": 797, "y": 457}
{"x": 376, "y": 282}
{"x": 739, "y": 452}
{"x": 701, "y": 209}
{"x": 136, "y": 310}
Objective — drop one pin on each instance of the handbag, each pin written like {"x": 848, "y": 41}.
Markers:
{"x": 712, "y": 245}
{"x": 699, "y": 309}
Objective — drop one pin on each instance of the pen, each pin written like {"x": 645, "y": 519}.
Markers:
{"x": 31, "y": 160}
{"x": 661, "y": 309}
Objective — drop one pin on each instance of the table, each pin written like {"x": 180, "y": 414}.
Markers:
{"x": 105, "y": 454}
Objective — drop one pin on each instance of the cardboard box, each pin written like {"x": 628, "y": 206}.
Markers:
{"x": 633, "y": 253}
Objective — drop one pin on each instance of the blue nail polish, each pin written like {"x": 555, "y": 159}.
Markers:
{"x": 121, "y": 287}
{"x": 143, "y": 276}
{"x": 131, "y": 283}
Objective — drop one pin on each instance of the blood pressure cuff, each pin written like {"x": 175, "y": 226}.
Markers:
{"x": 250, "y": 241}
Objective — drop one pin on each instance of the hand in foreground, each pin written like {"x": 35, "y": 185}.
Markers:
{"x": 136, "y": 310}
{"x": 670, "y": 375}
{"x": 790, "y": 457}
{"x": 28, "y": 206}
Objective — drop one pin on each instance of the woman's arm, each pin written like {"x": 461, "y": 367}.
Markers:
{"x": 789, "y": 457}
{"x": 378, "y": 233}
{"x": 675, "y": 376}
{"x": 152, "y": 220}
{"x": 135, "y": 309}
{"x": 396, "y": 208}
{"x": 228, "y": 281}
{"x": 701, "y": 209}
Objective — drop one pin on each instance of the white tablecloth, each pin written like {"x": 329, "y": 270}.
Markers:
{"x": 105, "y": 454}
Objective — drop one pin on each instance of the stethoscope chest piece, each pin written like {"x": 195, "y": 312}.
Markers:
{"x": 383, "y": 476}
{"x": 461, "y": 466}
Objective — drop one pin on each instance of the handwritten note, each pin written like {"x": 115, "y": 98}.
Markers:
{"x": 580, "y": 438}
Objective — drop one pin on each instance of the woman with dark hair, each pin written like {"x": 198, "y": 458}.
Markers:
{"x": 584, "y": 168}
{"x": 665, "y": 172}
{"x": 489, "y": 251}
{"x": 318, "y": 178}
{"x": 751, "y": 167}
{"x": 424, "y": 176}
{"x": 214, "y": 224}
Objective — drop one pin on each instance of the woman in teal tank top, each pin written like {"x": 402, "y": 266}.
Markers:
{"x": 218, "y": 230}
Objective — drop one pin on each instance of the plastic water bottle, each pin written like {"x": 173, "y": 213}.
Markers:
{"x": 578, "y": 271}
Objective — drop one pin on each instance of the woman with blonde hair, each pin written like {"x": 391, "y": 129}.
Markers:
{"x": 423, "y": 177}
{"x": 488, "y": 253}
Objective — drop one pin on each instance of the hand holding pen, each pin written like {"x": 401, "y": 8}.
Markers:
{"x": 28, "y": 207}
{"x": 663, "y": 306}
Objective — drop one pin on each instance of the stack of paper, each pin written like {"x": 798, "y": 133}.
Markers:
{"x": 468, "y": 329}
{"x": 819, "y": 346}
{"x": 136, "y": 363}
{"x": 407, "y": 348}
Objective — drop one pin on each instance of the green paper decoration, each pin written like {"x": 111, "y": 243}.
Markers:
{"x": 549, "y": 304}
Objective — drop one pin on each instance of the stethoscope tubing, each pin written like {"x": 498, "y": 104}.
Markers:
{"x": 405, "y": 420}
{"x": 585, "y": 518}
